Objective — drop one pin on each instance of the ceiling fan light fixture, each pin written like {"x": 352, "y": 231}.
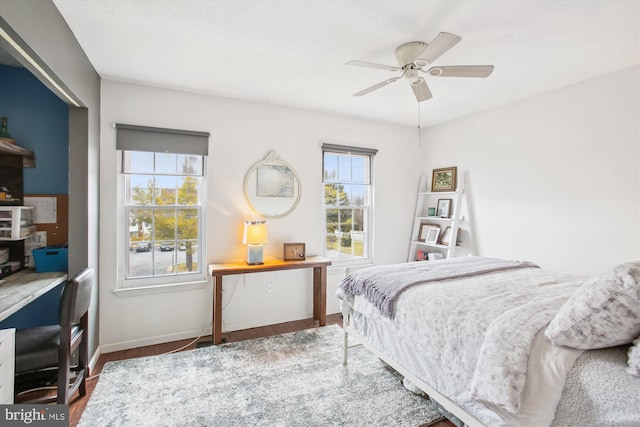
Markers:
{"x": 412, "y": 75}
{"x": 421, "y": 63}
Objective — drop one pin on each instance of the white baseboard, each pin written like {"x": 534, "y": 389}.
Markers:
{"x": 158, "y": 339}
{"x": 255, "y": 323}
{"x": 94, "y": 359}
{"x": 226, "y": 327}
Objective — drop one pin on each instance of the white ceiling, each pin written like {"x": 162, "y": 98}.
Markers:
{"x": 293, "y": 52}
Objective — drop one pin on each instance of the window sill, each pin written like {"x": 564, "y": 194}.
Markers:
{"x": 159, "y": 289}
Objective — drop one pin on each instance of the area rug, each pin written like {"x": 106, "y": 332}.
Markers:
{"x": 294, "y": 379}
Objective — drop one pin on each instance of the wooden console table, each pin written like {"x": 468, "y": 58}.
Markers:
{"x": 319, "y": 265}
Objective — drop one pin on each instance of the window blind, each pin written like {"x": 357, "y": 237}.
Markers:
{"x": 160, "y": 140}
{"x": 346, "y": 149}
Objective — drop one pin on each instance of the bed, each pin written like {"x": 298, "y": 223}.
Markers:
{"x": 504, "y": 343}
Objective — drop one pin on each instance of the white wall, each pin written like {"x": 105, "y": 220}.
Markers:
{"x": 555, "y": 178}
{"x": 243, "y": 133}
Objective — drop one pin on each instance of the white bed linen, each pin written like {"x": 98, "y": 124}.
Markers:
{"x": 546, "y": 374}
{"x": 598, "y": 392}
{"x": 403, "y": 338}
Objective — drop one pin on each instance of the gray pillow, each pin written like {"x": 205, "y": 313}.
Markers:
{"x": 604, "y": 312}
{"x": 634, "y": 358}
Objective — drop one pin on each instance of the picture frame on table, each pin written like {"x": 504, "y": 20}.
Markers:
{"x": 444, "y": 208}
{"x": 444, "y": 179}
{"x": 293, "y": 251}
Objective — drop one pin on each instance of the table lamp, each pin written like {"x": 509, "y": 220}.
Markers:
{"x": 255, "y": 234}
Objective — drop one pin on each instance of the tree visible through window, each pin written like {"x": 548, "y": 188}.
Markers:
{"x": 347, "y": 205}
{"x": 164, "y": 211}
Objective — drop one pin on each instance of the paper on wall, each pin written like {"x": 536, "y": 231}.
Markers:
{"x": 46, "y": 209}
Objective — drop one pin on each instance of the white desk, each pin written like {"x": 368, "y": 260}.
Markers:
{"x": 19, "y": 289}
{"x": 7, "y": 365}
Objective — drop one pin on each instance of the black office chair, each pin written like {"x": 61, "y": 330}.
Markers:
{"x": 44, "y": 354}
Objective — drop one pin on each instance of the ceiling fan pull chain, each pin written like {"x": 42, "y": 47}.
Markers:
{"x": 419, "y": 132}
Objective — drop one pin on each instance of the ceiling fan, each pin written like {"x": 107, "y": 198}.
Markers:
{"x": 413, "y": 57}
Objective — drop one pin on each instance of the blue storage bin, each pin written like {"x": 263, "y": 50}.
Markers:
{"x": 51, "y": 258}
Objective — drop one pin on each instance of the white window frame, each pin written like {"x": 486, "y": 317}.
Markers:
{"x": 368, "y": 208}
{"x": 173, "y": 141}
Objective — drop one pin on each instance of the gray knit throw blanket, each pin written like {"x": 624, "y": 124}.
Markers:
{"x": 382, "y": 285}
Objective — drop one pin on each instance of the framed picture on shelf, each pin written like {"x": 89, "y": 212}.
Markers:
{"x": 444, "y": 208}
{"x": 432, "y": 256}
{"x": 422, "y": 234}
{"x": 421, "y": 255}
{"x": 432, "y": 235}
{"x": 429, "y": 233}
{"x": 444, "y": 179}
{"x": 446, "y": 236}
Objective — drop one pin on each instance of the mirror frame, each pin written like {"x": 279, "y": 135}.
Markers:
{"x": 272, "y": 159}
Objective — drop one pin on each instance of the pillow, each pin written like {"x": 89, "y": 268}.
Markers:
{"x": 634, "y": 358}
{"x": 604, "y": 312}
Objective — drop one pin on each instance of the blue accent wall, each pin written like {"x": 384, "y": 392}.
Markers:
{"x": 39, "y": 121}
{"x": 42, "y": 311}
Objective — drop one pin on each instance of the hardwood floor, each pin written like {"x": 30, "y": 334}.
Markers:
{"x": 77, "y": 405}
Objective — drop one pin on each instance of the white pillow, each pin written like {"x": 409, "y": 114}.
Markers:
{"x": 604, "y": 312}
{"x": 634, "y": 358}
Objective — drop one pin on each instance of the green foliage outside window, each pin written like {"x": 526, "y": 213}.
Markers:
{"x": 345, "y": 220}
{"x": 168, "y": 224}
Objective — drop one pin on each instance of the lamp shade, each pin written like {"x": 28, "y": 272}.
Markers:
{"x": 255, "y": 232}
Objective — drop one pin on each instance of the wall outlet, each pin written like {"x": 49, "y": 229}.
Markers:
{"x": 269, "y": 287}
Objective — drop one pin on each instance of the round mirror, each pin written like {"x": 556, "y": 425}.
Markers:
{"x": 272, "y": 187}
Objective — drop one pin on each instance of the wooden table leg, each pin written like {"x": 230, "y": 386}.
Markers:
{"x": 320, "y": 295}
{"x": 216, "y": 328}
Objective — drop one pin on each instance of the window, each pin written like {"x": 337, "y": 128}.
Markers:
{"x": 163, "y": 211}
{"x": 347, "y": 209}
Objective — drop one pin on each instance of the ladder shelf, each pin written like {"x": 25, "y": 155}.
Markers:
{"x": 418, "y": 247}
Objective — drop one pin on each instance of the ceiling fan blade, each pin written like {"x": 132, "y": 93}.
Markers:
{"x": 376, "y": 86}
{"x": 374, "y": 65}
{"x": 421, "y": 90}
{"x": 461, "y": 71}
{"x": 442, "y": 43}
